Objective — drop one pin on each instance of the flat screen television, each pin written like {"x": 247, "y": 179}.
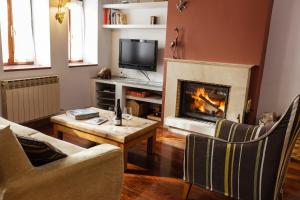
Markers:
{"x": 138, "y": 54}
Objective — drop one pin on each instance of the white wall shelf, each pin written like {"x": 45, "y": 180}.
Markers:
{"x": 151, "y": 99}
{"x": 138, "y": 26}
{"x": 162, "y": 4}
{"x": 134, "y": 26}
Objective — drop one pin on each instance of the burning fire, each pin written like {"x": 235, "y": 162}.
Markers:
{"x": 206, "y": 104}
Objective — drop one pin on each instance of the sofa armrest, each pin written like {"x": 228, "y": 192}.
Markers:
{"x": 95, "y": 173}
{"x": 233, "y": 169}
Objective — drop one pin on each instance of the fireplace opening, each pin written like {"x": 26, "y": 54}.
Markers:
{"x": 203, "y": 101}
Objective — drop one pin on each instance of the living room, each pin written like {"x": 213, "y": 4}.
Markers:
{"x": 149, "y": 99}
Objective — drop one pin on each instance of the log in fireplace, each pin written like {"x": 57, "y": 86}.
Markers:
{"x": 202, "y": 101}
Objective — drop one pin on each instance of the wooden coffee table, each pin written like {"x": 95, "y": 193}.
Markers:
{"x": 131, "y": 133}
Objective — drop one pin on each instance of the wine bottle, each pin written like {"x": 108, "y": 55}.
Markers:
{"x": 118, "y": 114}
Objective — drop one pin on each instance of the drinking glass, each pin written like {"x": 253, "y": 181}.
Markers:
{"x": 110, "y": 117}
{"x": 127, "y": 113}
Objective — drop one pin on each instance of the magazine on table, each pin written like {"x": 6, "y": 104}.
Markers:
{"x": 96, "y": 121}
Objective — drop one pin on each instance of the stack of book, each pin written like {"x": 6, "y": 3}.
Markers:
{"x": 82, "y": 114}
{"x": 114, "y": 16}
{"x": 137, "y": 93}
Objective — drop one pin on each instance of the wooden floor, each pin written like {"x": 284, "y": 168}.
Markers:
{"x": 159, "y": 177}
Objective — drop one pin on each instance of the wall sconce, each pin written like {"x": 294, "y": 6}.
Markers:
{"x": 61, "y": 10}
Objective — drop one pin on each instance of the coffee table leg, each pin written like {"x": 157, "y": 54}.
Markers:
{"x": 58, "y": 134}
{"x": 125, "y": 158}
{"x": 151, "y": 144}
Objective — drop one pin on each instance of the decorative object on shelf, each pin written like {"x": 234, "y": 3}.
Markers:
{"x": 153, "y": 20}
{"x": 181, "y": 5}
{"x": 139, "y": 109}
{"x": 138, "y": 93}
{"x": 123, "y": 18}
{"x": 174, "y": 44}
{"x": 104, "y": 73}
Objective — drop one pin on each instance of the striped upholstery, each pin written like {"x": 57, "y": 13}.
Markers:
{"x": 250, "y": 170}
{"x": 236, "y": 132}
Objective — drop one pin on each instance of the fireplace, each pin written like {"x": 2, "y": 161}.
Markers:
{"x": 202, "y": 101}
{"x": 229, "y": 81}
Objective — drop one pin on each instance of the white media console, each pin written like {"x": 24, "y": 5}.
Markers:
{"x": 105, "y": 92}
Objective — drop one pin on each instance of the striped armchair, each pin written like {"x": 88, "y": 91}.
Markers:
{"x": 243, "y": 161}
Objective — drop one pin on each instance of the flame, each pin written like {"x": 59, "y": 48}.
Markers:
{"x": 222, "y": 106}
{"x": 199, "y": 103}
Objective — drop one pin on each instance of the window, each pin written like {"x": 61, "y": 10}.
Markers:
{"x": 25, "y": 32}
{"x": 17, "y": 35}
{"x": 76, "y": 32}
{"x": 83, "y": 32}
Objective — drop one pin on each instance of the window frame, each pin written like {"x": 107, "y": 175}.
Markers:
{"x": 84, "y": 61}
{"x": 11, "y": 42}
{"x": 71, "y": 62}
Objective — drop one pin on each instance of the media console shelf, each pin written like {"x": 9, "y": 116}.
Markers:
{"x": 106, "y": 96}
{"x": 106, "y": 92}
{"x": 152, "y": 99}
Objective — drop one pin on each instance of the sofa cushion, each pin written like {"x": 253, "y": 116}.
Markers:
{"x": 13, "y": 160}
{"x": 16, "y": 128}
{"x": 39, "y": 152}
{"x": 65, "y": 147}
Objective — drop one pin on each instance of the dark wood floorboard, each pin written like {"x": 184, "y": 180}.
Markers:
{"x": 160, "y": 176}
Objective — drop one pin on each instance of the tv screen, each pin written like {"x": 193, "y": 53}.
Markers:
{"x": 138, "y": 54}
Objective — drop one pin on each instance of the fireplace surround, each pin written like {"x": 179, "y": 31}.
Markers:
{"x": 233, "y": 80}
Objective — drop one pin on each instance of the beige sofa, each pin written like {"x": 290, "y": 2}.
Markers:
{"x": 85, "y": 174}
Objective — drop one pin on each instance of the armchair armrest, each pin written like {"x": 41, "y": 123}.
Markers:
{"x": 95, "y": 173}
{"x": 235, "y": 169}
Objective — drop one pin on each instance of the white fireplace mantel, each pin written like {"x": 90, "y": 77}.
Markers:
{"x": 216, "y": 64}
{"x": 236, "y": 76}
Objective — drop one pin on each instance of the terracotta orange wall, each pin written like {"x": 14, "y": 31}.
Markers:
{"x": 230, "y": 31}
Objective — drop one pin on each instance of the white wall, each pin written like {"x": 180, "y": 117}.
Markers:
{"x": 281, "y": 79}
{"x": 140, "y": 16}
{"x": 75, "y": 83}
{"x": 91, "y": 31}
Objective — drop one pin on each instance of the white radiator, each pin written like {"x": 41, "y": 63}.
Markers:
{"x": 25, "y": 100}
